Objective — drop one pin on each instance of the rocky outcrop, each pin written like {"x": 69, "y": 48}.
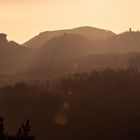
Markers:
{"x": 3, "y": 40}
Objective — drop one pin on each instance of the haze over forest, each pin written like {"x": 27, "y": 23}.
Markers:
{"x": 54, "y": 75}
{"x": 69, "y": 70}
{"x": 56, "y": 53}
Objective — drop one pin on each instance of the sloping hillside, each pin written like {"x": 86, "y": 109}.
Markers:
{"x": 89, "y": 32}
{"x": 13, "y": 57}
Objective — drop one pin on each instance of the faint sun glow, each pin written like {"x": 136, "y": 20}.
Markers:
{"x": 61, "y": 119}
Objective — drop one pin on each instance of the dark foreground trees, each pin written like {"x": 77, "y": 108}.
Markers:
{"x": 101, "y": 105}
{"x": 22, "y": 134}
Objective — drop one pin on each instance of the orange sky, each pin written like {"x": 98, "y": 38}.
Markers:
{"x": 23, "y": 19}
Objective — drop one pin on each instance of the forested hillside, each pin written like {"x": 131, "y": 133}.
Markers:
{"x": 97, "y": 105}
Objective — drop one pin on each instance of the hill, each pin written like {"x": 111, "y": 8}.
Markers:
{"x": 89, "y": 32}
{"x": 71, "y": 53}
{"x": 124, "y": 42}
{"x": 13, "y": 57}
{"x": 68, "y": 53}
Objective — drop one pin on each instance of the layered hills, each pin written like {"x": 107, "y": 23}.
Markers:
{"x": 89, "y": 32}
{"x": 81, "y": 49}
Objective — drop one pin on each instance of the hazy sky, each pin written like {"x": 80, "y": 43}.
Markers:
{"x": 23, "y": 19}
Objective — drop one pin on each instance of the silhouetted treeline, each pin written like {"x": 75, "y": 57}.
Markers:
{"x": 22, "y": 133}
{"x": 98, "y": 105}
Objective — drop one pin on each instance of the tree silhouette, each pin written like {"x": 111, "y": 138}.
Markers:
{"x": 1, "y": 128}
{"x": 22, "y": 134}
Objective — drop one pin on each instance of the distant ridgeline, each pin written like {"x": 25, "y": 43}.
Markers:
{"x": 22, "y": 133}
